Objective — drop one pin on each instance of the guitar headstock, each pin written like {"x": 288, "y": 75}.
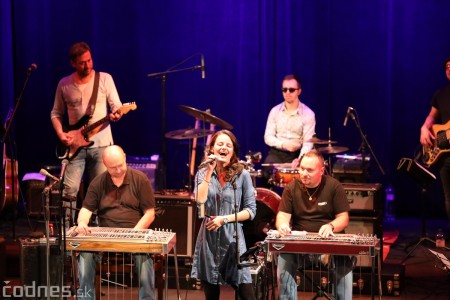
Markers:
{"x": 126, "y": 107}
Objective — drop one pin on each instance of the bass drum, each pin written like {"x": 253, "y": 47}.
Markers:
{"x": 267, "y": 202}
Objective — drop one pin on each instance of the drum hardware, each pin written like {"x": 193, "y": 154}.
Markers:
{"x": 188, "y": 133}
{"x": 254, "y": 157}
{"x": 205, "y": 116}
{"x": 251, "y": 159}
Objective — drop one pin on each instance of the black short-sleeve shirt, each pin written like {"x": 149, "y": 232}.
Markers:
{"x": 329, "y": 200}
{"x": 120, "y": 206}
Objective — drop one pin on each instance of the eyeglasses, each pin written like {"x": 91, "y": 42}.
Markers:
{"x": 291, "y": 90}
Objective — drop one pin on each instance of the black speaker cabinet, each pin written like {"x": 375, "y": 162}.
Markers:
{"x": 178, "y": 213}
{"x": 366, "y": 225}
{"x": 33, "y": 267}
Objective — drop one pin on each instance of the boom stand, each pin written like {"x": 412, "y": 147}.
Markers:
{"x": 424, "y": 236}
{"x": 424, "y": 178}
{"x": 163, "y": 76}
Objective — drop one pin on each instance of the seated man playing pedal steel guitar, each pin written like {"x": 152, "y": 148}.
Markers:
{"x": 123, "y": 197}
{"x": 315, "y": 203}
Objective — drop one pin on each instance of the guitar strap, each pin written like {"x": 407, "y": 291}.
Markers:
{"x": 91, "y": 107}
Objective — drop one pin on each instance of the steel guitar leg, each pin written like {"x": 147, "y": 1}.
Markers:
{"x": 176, "y": 272}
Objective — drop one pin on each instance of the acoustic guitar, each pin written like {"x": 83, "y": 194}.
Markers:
{"x": 81, "y": 133}
{"x": 10, "y": 182}
{"x": 441, "y": 144}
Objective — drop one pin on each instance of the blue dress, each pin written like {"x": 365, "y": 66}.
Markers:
{"x": 211, "y": 246}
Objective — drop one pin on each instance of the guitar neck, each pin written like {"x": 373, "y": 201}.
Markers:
{"x": 91, "y": 127}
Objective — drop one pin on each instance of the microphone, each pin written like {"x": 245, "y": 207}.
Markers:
{"x": 32, "y": 68}
{"x": 47, "y": 174}
{"x": 210, "y": 159}
{"x": 203, "y": 67}
{"x": 349, "y": 111}
{"x": 64, "y": 164}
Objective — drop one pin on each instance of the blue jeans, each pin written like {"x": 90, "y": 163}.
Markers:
{"x": 89, "y": 159}
{"x": 86, "y": 274}
{"x": 288, "y": 264}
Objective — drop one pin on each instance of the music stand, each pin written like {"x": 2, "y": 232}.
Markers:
{"x": 423, "y": 178}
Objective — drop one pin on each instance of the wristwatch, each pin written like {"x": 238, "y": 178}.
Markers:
{"x": 225, "y": 220}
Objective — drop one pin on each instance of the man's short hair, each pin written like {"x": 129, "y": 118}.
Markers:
{"x": 77, "y": 50}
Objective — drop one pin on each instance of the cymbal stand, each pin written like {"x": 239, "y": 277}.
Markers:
{"x": 365, "y": 143}
{"x": 330, "y": 167}
{"x": 193, "y": 156}
{"x": 163, "y": 76}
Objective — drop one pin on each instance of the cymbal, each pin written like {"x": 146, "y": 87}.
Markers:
{"x": 319, "y": 141}
{"x": 205, "y": 116}
{"x": 332, "y": 149}
{"x": 189, "y": 133}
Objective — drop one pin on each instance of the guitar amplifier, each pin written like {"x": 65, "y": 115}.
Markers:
{"x": 150, "y": 166}
{"x": 367, "y": 225}
{"x": 176, "y": 211}
{"x": 364, "y": 198}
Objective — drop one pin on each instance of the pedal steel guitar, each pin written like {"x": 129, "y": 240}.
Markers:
{"x": 339, "y": 244}
{"x": 110, "y": 239}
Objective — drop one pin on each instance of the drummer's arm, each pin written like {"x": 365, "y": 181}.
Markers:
{"x": 309, "y": 130}
{"x": 270, "y": 137}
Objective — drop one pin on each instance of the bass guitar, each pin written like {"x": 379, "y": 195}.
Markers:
{"x": 10, "y": 182}
{"x": 81, "y": 133}
{"x": 441, "y": 144}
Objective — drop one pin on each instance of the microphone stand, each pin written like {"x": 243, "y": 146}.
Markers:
{"x": 62, "y": 227}
{"x": 238, "y": 257}
{"x": 163, "y": 76}
{"x": 46, "y": 194}
{"x": 365, "y": 142}
{"x": 7, "y": 132}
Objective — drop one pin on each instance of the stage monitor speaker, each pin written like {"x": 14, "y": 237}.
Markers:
{"x": 364, "y": 198}
{"x": 150, "y": 166}
{"x": 178, "y": 213}
{"x": 366, "y": 225}
{"x": 33, "y": 267}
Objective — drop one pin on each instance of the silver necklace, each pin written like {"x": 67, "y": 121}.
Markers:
{"x": 311, "y": 195}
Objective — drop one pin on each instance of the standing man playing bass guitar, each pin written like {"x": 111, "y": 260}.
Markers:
{"x": 86, "y": 96}
{"x": 431, "y": 137}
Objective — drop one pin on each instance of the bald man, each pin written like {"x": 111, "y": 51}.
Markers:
{"x": 123, "y": 197}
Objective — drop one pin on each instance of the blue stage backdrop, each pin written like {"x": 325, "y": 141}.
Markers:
{"x": 383, "y": 58}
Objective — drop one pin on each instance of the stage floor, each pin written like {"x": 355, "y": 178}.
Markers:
{"x": 423, "y": 278}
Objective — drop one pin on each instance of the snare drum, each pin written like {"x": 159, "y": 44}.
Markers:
{"x": 284, "y": 176}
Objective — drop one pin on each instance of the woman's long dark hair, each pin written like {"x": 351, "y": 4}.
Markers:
{"x": 234, "y": 168}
